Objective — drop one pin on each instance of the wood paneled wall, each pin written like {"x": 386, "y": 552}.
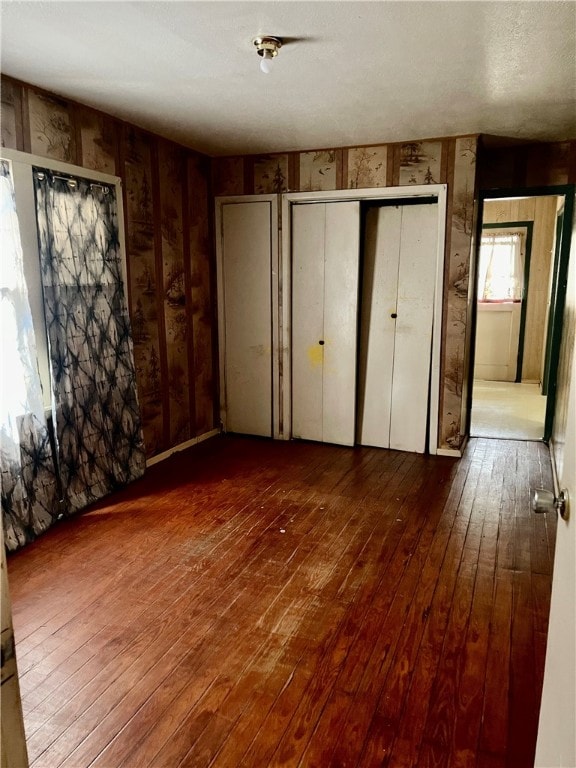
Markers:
{"x": 168, "y": 202}
{"x": 542, "y": 212}
{"x": 168, "y": 246}
{"x": 527, "y": 165}
{"x": 450, "y": 161}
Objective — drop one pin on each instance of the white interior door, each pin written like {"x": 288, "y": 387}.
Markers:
{"x": 413, "y": 340}
{"x": 398, "y": 288}
{"x": 497, "y": 339}
{"x": 308, "y": 231}
{"x": 325, "y": 258}
{"x": 246, "y": 276}
{"x": 377, "y": 324}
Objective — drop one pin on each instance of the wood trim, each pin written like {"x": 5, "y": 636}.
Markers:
{"x": 187, "y": 254}
{"x": 294, "y": 169}
{"x": 26, "y": 131}
{"x": 344, "y": 175}
{"x": 390, "y": 155}
{"x": 451, "y": 156}
{"x": 157, "y": 224}
{"x": 181, "y": 447}
{"x": 341, "y": 172}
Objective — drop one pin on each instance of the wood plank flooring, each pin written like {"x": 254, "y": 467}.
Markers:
{"x": 256, "y": 603}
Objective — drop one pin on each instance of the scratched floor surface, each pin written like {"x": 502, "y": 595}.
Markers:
{"x": 251, "y": 603}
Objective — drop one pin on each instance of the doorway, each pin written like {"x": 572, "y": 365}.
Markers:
{"x": 519, "y": 301}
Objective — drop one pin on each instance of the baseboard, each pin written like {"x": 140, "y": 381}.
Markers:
{"x": 181, "y": 447}
{"x": 454, "y": 452}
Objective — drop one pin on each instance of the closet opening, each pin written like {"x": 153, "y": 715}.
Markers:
{"x": 334, "y": 391}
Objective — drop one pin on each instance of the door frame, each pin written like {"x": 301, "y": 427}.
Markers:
{"x": 275, "y": 293}
{"x": 409, "y": 192}
{"x": 550, "y": 327}
{"x": 558, "y": 300}
{"x": 528, "y": 226}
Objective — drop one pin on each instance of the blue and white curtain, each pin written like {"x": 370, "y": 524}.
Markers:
{"x": 30, "y": 498}
{"x": 98, "y": 428}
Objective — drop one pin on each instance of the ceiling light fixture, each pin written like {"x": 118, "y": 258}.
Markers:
{"x": 267, "y": 48}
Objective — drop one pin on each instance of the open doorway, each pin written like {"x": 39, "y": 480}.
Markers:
{"x": 518, "y": 301}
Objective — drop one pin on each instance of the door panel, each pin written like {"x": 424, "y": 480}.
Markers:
{"x": 308, "y": 226}
{"x": 376, "y": 354}
{"x": 340, "y": 322}
{"x": 397, "y": 319}
{"x": 413, "y": 344}
{"x": 497, "y": 335}
{"x": 325, "y": 244}
{"x": 246, "y": 249}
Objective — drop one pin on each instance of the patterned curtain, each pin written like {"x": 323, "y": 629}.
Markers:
{"x": 29, "y": 486}
{"x": 98, "y": 429}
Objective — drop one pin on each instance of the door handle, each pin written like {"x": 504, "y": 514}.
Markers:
{"x": 321, "y": 342}
{"x": 394, "y": 315}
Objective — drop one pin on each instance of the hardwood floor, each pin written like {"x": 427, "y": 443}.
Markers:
{"x": 251, "y": 603}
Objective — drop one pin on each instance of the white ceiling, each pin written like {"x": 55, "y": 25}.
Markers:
{"x": 357, "y": 73}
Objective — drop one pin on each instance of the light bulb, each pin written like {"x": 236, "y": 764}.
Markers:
{"x": 266, "y": 62}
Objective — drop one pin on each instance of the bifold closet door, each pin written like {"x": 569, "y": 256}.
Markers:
{"x": 325, "y": 261}
{"x": 399, "y": 273}
{"x": 246, "y": 276}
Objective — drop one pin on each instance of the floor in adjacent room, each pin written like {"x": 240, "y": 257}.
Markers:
{"x": 503, "y": 409}
{"x": 257, "y": 603}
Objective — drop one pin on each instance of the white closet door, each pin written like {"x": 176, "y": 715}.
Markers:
{"x": 325, "y": 254}
{"x": 396, "y": 326}
{"x": 378, "y": 326}
{"x": 308, "y": 228}
{"x": 246, "y": 272}
{"x": 342, "y": 253}
{"x": 413, "y": 343}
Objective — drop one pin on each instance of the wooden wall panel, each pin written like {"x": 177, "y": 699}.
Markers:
{"x": 528, "y": 165}
{"x": 228, "y": 176}
{"x": 541, "y": 211}
{"x": 270, "y": 174}
{"x": 11, "y": 122}
{"x": 176, "y": 304}
{"x": 429, "y": 161}
{"x": 52, "y": 132}
{"x": 420, "y": 162}
{"x": 202, "y": 293}
{"x": 457, "y": 305}
{"x": 366, "y": 167}
{"x": 34, "y": 120}
{"x": 97, "y": 140}
{"x": 144, "y": 285}
{"x": 173, "y": 334}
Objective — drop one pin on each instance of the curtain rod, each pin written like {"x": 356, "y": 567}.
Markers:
{"x": 71, "y": 181}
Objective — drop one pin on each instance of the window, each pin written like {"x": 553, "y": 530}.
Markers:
{"x": 501, "y": 268}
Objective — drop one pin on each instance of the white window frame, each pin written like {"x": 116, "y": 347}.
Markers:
{"x": 22, "y": 167}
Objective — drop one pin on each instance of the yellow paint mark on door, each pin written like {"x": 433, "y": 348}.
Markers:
{"x": 315, "y": 355}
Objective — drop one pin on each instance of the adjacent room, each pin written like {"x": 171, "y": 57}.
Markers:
{"x": 288, "y": 384}
{"x": 516, "y": 295}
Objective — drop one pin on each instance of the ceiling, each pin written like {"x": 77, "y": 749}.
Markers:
{"x": 352, "y": 73}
